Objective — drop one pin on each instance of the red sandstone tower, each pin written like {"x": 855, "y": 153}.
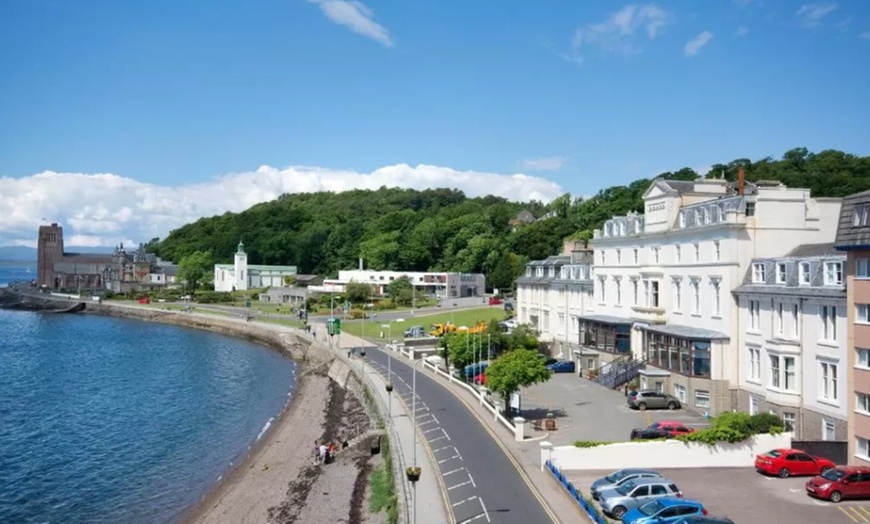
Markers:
{"x": 49, "y": 251}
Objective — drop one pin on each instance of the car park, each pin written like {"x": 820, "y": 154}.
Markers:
{"x": 840, "y": 483}
{"x": 788, "y": 462}
{"x": 634, "y": 493}
{"x": 666, "y": 510}
{"x": 651, "y": 399}
{"x": 562, "y": 366}
{"x": 662, "y": 429}
{"x": 617, "y": 478}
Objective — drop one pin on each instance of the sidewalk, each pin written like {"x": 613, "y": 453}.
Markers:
{"x": 431, "y": 505}
{"x": 526, "y": 455}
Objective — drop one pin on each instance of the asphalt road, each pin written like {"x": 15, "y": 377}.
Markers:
{"x": 482, "y": 483}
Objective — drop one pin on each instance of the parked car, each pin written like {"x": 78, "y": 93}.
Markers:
{"x": 840, "y": 483}
{"x": 562, "y": 366}
{"x": 415, "y": 332}
{"x": 480, "y": 379}
{"x": 472, "y": 370}
{"x": 648, "y": 398}
{"x": 666, "y": 510}
{"x": 508, "y": 306}
{"x": 702, "y": 519}
{"x": 787, "y": 462}
{"x": 617, "y": 478}
{"x": 548, "y": 360}
{"x": 634, "y": 493}
{"x": 661, "y": 429}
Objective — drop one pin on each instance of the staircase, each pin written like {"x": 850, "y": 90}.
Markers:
{"x": 620, "y": 371}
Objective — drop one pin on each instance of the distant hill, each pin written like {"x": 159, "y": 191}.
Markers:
{"x": 28, "y": 254}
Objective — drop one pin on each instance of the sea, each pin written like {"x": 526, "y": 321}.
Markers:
{"x": 109, "y": 420}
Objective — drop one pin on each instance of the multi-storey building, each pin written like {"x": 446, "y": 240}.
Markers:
{"x": 791, "y": 339}
{"x": 551, "y": 296}
{"x": 853, "y": 237}
{"x": 441, "y": 285}
{"x": 663, "y": 279}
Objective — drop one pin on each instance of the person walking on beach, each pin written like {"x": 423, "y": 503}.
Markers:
{"x": 317, "y": 452}
{"x": 323, "y": 452}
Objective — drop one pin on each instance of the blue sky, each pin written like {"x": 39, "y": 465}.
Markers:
{"x": 582, "y": 94}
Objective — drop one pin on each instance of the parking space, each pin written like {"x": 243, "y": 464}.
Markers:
{"x": 585, "y": 410}
{"x": 748, "y": 497}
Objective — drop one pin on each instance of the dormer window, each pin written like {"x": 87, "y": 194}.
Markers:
{"x": 528, "y": 271}
{"x": 758, "y": 273}
{"x": 540, "y": 272}
{"x": 706, "y": 215}
{"x": 780, "y": 273}
{"x": 683, "y": 219}
{"x": 698, "y": 217}
{"x": 804, "y": 273}
{"x": 833, "y": 273}
{"x": 638, "y": 225}
{"x": 720, "y": 214}
{"x": 622, "y": 229}
{"x": 552, "y": 272}
{"x": 862, "y": 215}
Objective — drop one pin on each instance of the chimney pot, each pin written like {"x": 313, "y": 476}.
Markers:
{"x": 741, "y": 180}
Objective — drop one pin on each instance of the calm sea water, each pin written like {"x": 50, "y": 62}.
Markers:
{"x": 111, "y": 420}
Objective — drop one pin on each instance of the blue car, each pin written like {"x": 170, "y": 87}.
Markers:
{"x": 473, "y": 370}
{"x": 562, "y": 366}
{"x": 666, "y": 510}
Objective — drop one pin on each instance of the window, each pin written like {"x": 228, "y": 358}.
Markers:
{"x": 753, "y": 405}
{"x": 774, "y": 371}
{"x": 862, "y": 359}
{"x": 795, "y": 321}
{"x": 750, "y": 209}
{"x": 862, "y": 314}
{"x": 829, "y": 323}
{"x": 862, "y": 215}
{"x": 804, "y": 270}
{"x": 656, "y": 255}
{"x": 754, "y": 363}
{"x": 702, "y": 398}
{"x": 634, "y": 291}
{"x": 634, "y": 256}
{"x": 758, "y": 273}
{"x": 705, "y": 214}
{"x": 789, "y": 383}
{"x": 754, "y": 314}
{"x": 717, "y": 253}
{"x": 833, "y": 273}
{"x": 602, "y": 257}
{"x": 619, "y": 256}
{"x": 696, "y": 297}
{"x": 780, "y": 273}
{"x": 720, "y": 215}
{"x": 680, "y": 392}
{"x": 828, "y": 384}
{"x": 788, "y": 417}
{"x": 862, "y": 402}
{"x": 779, "y": 318}
{"x": 619, "y": 292}
{"x": 717, "y": 293}
{"x": 651, "y": 290}
{"x": 862, "y": 447}
{"x": 603, "y": 289}
{"x": 697, "y": 250}
{"x": 678, "y": 299}
{"x": 862, "y": 268}
{"x": 828, "y": 429}
{"x": 683, "y": 219}
{"x": 679, "y": 254}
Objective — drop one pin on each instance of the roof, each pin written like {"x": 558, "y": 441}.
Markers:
{"x": 793, "y": 291}
{"x": 813, "y": 250}
{"x": 850, "y": 236}
{"x": 287, "y": 269}
{"x": 677, "y": 330}
{"x": 85, "y": 258}
{"x": 607, "y": 319}
{"x": 303, "y": 278}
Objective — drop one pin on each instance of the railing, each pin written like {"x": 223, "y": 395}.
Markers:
{"x": 585, "y": 503}
{"x": 620, "y": 371}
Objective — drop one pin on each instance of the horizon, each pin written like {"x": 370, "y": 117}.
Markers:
{"x": 221, "y": 106}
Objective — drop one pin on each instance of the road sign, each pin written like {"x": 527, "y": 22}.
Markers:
{"x": 333, "y": 326}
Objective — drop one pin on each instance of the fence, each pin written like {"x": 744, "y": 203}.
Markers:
{"x": 834, "y": 450}
{"x": 586, "y": 504}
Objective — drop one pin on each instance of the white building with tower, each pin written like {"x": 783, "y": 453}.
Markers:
{"x": 240, "y": 276}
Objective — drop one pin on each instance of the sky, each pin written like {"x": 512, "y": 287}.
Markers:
{"x": 125, "y": 120}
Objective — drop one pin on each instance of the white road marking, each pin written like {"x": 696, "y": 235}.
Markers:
{"x": 457, "y": 470}
{"x": 442, "y": 461}
{"x": 424, "y": 423}
{"x": 467, "y": 482}
{"x": 438, "y": 438}
{"x": 795, "y": 490}
{"x": 433, "y": 417}
{"x": 484, "y": 510}
{"x": 430, "y": 430}
{"x": 442, "y": 449}
{"x": 472, "y": 480}
{"x": 469, "y": 499}
{"x": 466, "y": 521}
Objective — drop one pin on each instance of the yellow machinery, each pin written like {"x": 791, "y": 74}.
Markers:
{"x": 439, "y": 330}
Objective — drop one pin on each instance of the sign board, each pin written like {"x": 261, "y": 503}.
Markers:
{"x": 333, "y": 326}
{"x": 515, "y": 402}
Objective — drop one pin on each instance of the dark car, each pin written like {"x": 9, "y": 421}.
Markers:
{"x": 661, "y": 429}
{"x": 841, "y": 483}
{"x": 508, "y": 306}
{"x": 702, "y": 519}
{"x": 648, "y": 398}
{"x": 647, "y": 434}
{"x": 562, "y": 366}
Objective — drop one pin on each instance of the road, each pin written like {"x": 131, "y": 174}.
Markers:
{"x": 482, "y": 483}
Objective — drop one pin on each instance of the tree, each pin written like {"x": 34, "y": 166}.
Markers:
{"x": 196, "y": 268}
{"x": 358, "y": 292}
{"x": 289, "y": 280}
{"x": 513, "y": 370}
{"x": 401, "y": 291}
{"x": 523, "y": 337}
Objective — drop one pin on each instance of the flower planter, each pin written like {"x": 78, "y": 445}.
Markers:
{"x": 413, "y": 474}
{"x": 389, "y": 388}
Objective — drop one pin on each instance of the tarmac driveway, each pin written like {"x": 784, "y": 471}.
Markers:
{"x": 585, "y": 410}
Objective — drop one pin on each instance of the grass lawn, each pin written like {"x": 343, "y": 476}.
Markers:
{"x": 290, "y": 322}
{"x": 467, "y": 317}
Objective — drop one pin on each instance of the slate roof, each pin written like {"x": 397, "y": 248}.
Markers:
{"x": 607, "y": 319}
{"x": 816, "y": 255}
{"x": 794, "y": 291}
{"x": 813, "y": 250}
{"x": 850, "y": 236}
{"x": 676, "y": 330}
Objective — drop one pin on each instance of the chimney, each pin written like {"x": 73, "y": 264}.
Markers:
{"x": 360, "y": 264}
{"x": 741, "y": 180}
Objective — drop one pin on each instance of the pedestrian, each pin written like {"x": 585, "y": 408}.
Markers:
{"x": 323, "y": 453}
{"x": 316, "y": 452}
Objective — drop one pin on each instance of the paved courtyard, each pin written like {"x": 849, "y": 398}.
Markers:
{"x": 585, "y": 410}
{"x": 748, "y": 497}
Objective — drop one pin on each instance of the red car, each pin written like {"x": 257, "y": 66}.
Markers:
{"x": 787, "y": 462}
{"x": 480, "y": 379}
{"x": 840, "y": 483}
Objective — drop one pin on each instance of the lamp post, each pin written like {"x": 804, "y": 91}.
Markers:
{"x": 414, "y": 416}
{"x": 389, "y": 371}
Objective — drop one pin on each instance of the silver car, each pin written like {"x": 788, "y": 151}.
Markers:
{"x": 617, "y": 478}
{"x": 633, "y": 493}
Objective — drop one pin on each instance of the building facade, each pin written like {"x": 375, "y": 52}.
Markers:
{"x": 441, "y": 285}
{"x": 552, "y": 294}
{"x": 792, "y": 339}
{"x": 663, "y": 279}
{"x": 241, "y": 276}
{"x": 853, "y": 238}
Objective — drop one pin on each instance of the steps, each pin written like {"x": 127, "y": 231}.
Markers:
{"x": 620, "y": 371}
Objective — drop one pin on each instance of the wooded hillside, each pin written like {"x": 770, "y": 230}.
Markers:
{"x": 442, "y": 229}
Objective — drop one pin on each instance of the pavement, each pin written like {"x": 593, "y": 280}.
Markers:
{"x": 482, "y": 480}
{"x": 748, "y": 497}
{"x": 585, "y": 410}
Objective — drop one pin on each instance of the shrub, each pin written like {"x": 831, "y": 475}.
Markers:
{"x": 357, "y": 313}
{"x": 735, "y": 427}
{"x": 214, "y": 297}
{"x": 589, "y": 444}
{"x": 766, "y": 423}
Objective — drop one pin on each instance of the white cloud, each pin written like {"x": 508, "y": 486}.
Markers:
{"x": 357, "y": 17}
{"x": 693, "y": 46}
{"x": 618, "y": 33}
{"x": 544, "y": 163}
{"x": 104, "y": 209}
{"x": 742, "y": 31}
{"x": 811, "y": 14}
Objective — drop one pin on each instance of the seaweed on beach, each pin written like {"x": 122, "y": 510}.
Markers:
{"x": 360, "y": 486}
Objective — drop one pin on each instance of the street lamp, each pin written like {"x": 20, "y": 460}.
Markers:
{"x": 414, "y": 416}
{"x": 389, "y": 373}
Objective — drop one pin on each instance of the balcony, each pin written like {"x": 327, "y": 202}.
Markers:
{"x": 653, "y": 315}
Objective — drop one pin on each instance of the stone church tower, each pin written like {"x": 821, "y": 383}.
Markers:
{"x": 240, "y": 268}
{"x": 49, "y": 250}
